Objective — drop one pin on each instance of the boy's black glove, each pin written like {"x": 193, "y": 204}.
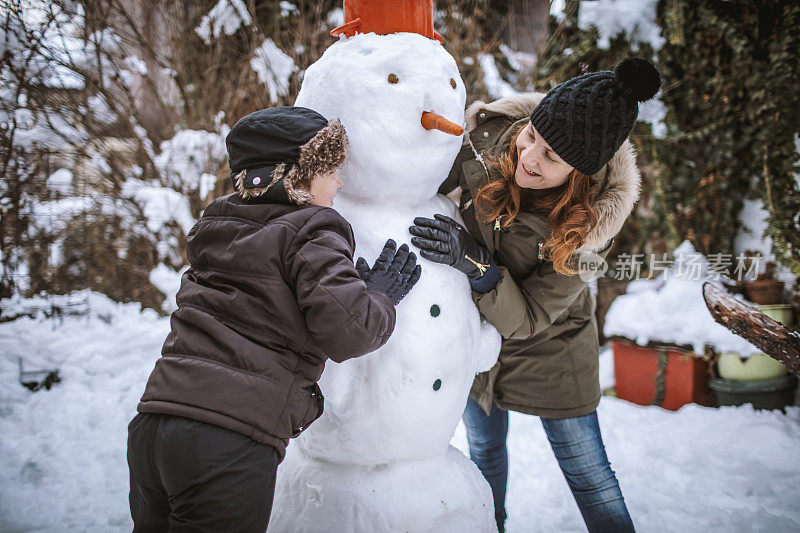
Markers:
{"x": 394, "y": 273}
{"x": 443, "y": 240}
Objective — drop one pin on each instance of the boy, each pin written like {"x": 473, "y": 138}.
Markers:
{"x": 271, "y": 294}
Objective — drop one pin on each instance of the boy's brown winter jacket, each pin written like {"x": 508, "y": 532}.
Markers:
{"x": 271, "y": 294}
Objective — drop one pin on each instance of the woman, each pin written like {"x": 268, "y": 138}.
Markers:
{"x": 544, "y": 179}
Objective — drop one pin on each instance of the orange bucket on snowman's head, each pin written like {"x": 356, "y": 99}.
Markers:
{"x": 388, "y": 16}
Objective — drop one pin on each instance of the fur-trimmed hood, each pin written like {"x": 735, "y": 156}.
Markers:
{"x": 619, "y": 177}
{"x": 324, "y": 153}
{"x": 275, "y": 153}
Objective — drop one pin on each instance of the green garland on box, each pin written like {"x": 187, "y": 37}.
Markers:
{"x": 733, "y": 114}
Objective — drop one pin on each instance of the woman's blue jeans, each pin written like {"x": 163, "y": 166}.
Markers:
{"x": 578, "y": 447}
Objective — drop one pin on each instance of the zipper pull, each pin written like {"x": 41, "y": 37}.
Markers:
{"x": 541, "y": 256}
{"x": 497, "y": 223}
{"x": 480, "y": 266}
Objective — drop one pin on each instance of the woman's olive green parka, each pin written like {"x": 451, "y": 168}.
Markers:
{"x": 548, "y": 363}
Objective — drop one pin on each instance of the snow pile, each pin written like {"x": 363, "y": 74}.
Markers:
{"x": 190, "y": 159}
{"x": 495, "y": 84}
{"x": 273, "y": 68}
{"x": 336, "y": 17}
{"x": 225, "y": 17}
{"x": 54, "y": 215}
{"x": 62, "y": 451}
{"x": 653, "y": 111}
{"x": 46, "y": 47}
{"x": 60, "y": 181}
{"x": 671, "y": 309}
{"x": 159, "y": 204}
{"x": 557, "y": 9}
{"x": 288, "y": 8}
{"x": 46, "y": 128}
{"x": 167, "y": 281}
{"x": 58, "y": 29}
{"x": 518, "y": 60}
{"x": 752, "y": 237}
{"x": 100, "y": 109}
{"x": 44, "y": 305}
{"x": 136, "y": 65}
{"x": 634, "y": 18}
{"x": 63, "y": 466}
{"x": 697, "y": 469}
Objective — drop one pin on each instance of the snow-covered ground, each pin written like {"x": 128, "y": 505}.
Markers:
{"x": 62, "y": 451}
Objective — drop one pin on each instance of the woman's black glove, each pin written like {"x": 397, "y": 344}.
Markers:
{"x": 443, "y": 240}
{"x": 393, "y": 274}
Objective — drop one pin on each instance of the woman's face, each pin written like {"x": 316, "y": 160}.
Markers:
{"x": 538, "y": 166}
{"x": 324, "y": 188}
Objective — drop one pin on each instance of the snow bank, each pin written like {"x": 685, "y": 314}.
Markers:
{"x": 751, "y": 237}
{"x": 634, "y": 18}
{"x": 671, "y": 309}
{"x": 62, "y": 451}
{"x": 61, "y": 181}
{"x": 191, "y": 158}
{"x": 63, "y": 466}
{"x": 288, "y": 9}
{"x": 653, "y": 112}
{"x": 167, "y": 281}
{"x": 495, "y": 84}
{"x": 336, "y": 17}
{"x": 225, "y": 17}
{"x": 697, "y": 469}
{"x": 159, "y": 204}
{"x": 274, "y": 68}
{"x": 557, "y": 9}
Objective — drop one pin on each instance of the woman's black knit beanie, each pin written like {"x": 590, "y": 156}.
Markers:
{"x": 586, "y": 119}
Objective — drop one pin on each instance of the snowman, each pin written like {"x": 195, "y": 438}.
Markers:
{"x": 379, "y": 458}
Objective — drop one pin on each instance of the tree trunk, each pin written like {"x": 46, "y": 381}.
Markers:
{"x": 523, "y": 23}
{"x": 775, "y": 339}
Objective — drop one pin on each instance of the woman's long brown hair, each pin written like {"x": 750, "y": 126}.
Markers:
{"x": 567, "y": 208}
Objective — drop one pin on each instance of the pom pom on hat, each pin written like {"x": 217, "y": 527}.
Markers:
{"x": 638, "y": 77}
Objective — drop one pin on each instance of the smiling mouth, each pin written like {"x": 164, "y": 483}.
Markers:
{"x": 528, "y": 172}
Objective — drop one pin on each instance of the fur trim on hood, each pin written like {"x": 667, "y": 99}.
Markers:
{"x": 324, "y": 152}
{"x": 619, "y": 177}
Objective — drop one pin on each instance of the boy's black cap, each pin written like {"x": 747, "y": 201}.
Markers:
{"x": 285, "y": 146}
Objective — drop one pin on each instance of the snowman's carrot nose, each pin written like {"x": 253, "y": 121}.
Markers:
{"x": 432, "y": 121}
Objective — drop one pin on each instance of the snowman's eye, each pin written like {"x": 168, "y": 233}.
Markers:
{"x": 452, "y": 83}
{"x": 393, "y": 78}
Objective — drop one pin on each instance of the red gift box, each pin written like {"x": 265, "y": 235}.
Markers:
{"x": 665, "y": 376}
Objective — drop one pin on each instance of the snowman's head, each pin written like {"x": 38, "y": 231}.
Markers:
{"x": 379, "y": 86}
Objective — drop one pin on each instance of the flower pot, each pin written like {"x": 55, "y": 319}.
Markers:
{"x": 764, "y": 291}
{"x": 756, "y": 367}
{"x": 774, "y": 393}
{"x": 780, "y": 313}
{"x": 667, "y": 377}
{"x": 387, "y": 16}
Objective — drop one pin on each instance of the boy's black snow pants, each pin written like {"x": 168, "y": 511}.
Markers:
{"x": 192, "y": 476}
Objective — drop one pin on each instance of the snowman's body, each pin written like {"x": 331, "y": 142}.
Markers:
{"x": 379, "y": 457}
